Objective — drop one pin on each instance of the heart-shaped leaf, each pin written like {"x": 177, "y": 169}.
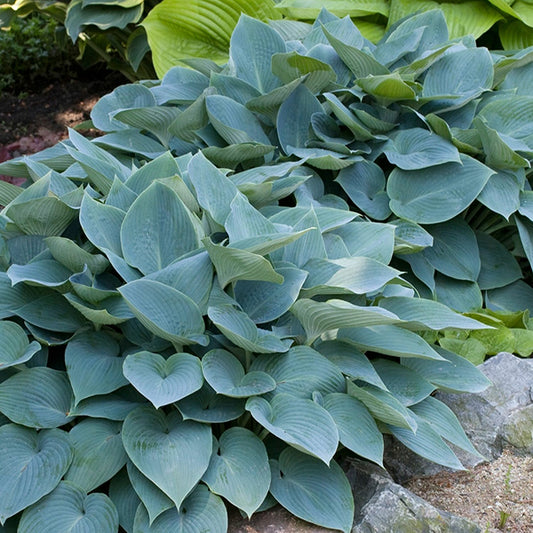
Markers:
{"x": 70, "y": 510}
{"x": 225, "y": 374}
{"x": 31, "y": 465}
{"x": 15, "y": 348}
{"x": 98, "y": 453}
{"x": 201, "y": 511}
{"x": 170, "y": 452}
{"x": 125, "y": 499}
{"x": 161, "y": 380}
{"x": 239, "y": 470}
{"x": 37, "y": 397}
{"x": 300, "y": 423}
{"x": 313, "y": 491}
{"x": 94, "y": 365}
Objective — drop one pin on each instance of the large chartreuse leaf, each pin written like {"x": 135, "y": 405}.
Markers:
{"x": 166, "y": 312}
{"x": 177, "y": 30}
{"x": 239, "y": 469}
{"x": 202, "y": 511}
{"x": 170, "y": 452}
{"x": 438, "y": 194}
{"x": 313, "y": 491}
{"x": 31, "y": 465}
{"x": 37, "y": 397}
{"x": 98, "y": 453}
{"x": 163, "y": 381}
{"x": 71, "y": 510}
{"x": 15, "y": 349}
{"x": 300, "y": 423}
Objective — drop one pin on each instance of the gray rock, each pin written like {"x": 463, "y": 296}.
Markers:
{"x": 382, "y": 506}
{"x": 500, "y": 416}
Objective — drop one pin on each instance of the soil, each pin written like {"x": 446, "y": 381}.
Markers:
{"x": 498, "y": 495}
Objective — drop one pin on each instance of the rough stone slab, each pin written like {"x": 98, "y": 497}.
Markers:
{"x": 501, "y": 415}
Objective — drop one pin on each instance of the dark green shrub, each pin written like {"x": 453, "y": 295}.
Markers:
{"x": 30, "y": 55}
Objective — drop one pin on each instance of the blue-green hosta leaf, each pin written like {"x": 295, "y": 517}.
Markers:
{"x": 31, "y": 465}
{"x": 359, "y": 275}
{"x": 264, "y": 301}
{"x": 499, "y": 154}
{"x": 70, "y": 510}
{"x": 15, "y": 348}
{"x": 313, "y": 491}
{"x": 417, "y": 148}
{"x": 252, "y": 45}
{"x": 241, "y": 330}
{"x": 73, "y": 257}
{"x": 458, "y": 294}
{"x": 420, "y": 314}
{"x": 301, "y": 423}
{"x": 113, "y": 406}
{"x": 389, "y": 340}
{"x": 383, "y": 405}
{"x": 525, "y": 230}
{"x": 300, "y": 372}
{"x": 320, "y": 317}
{"x": 120, "y": 195}
{"x": 166, "y": 312}
{"x": 526, "y": 204}
{"x": 442, "y": 419}
{"x": 94, "y": 290}
{"x": 236, "y": 154}
{"x": 351, "y": 362}
{"x": 232, "y": 264}
{"x": 234, "y": 122}
{"x": 202, "y": 511}
{"x": 37, "y": 397}
{"x": 112, "y": 310}
{"x": 438, "y": 194}
{"x": 268, "y": 104}
{"x": 369, "y": 239}
{"x": 94, "y": 364}
{"x": 154, "y": 500}
{"x": 163, "y": 381}
{"x": 164, "y": 166}
{"x": 193, "y": 276}
{"x": 170, "y": 452}
{"x": 180, "y": 85}
{"x": 13, "y": 298}
{"x": 346, "y": 117}
{"x": 157, "y": 230}
{"x": 101, "y": 223}
{"x": 364, "y": 182}
{"x": 239, "y": 469}
{"x": 292, "y": 66}
{"x": 498, "y": 267}
{"x": 224, "y": 372}
{"x": 131, "y": 141}
{"x": 405, "y": 384}
{"x": 294, "y": 118}
{"x": 512, "y": 118}
{"x": 454, "y": 373}
{"x": 45, "y": 273}
{"x": 460, "y": 76}
{"x": 519, "y": 78}
{"x": 123, "y": 97}
{"x": 409, "y": 237}
{"x": 245, "y": 222}
{"x": 125, "y": 499}
{"x": 209, "y": 407}
{"x": 427, "y": 443}
{"x": 98, "y": 453}
{"x": 357, "y": 428}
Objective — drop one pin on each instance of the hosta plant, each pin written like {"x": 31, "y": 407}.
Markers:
{"x": 205, "y": 305}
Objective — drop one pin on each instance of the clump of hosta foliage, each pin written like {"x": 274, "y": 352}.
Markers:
{"x": 239, "y": 279}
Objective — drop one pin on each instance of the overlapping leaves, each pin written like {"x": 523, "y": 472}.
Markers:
{"x": 210, "y": 317}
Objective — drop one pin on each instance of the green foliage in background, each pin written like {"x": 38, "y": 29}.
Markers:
{"x": 129, "y": 34}
{"x": 201, "y": 306}
{"x": 30, "y": 57}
